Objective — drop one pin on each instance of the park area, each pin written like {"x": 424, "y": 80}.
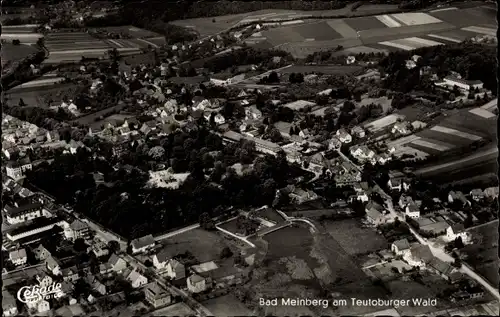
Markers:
{"x": 202, "y": 244}
{"x": 366, "y": 239}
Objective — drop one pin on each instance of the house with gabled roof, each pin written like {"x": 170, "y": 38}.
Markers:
{"x": 53, "y": 265}
{"x": 412, "y": 211}
{"x": 160, "y": 259}
{"x": 196, "y": 283}
{"x": 143, "y": 244}
{"x": 18, "y": 257}
{"x": 457, "y": 231}
{"x": 400, "y": 247}
{"x": 420, "y": 255}
{"x": 41, "y": 253}
{"x": 175, "y": 269}
{"x": 136, "y": 279}
{"x": 116, "y": 263}
{"x": 374, "y": 213}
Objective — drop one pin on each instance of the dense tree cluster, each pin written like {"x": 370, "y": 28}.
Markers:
{"x": 472, "y": 61}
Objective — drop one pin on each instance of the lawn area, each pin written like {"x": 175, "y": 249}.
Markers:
{"x": 482, "y": 255}
{"x": 204, "y": 245}
{"x": 231, "y": 227}
{"x": 353, "y": 238}
{"x": 227, "y": 305}
{"x": 270, "y": 214}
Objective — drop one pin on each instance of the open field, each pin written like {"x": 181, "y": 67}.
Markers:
{"x": 367, "y": 239}
{"x": 227, "y": 305}
{"x": 11, "y": 53}
{"x": 204, "y": 245}
{"x": 390, "y": 32}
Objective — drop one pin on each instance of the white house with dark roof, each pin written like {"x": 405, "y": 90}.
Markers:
{"x": 53, "y": 265}
{"x": 477, "y": 194}
{"x": 491, "y": 192}
{"x": 400, "y": 247}
{"x": 454, "y": 196}
{"x": 412, "y": 211}
{"x": 143, "y": 244}
{"x": 18, "y": 257}
{"x": 160, "y": 260}
{"x": 77, "y": 229}
{"x": 457, "y": 231}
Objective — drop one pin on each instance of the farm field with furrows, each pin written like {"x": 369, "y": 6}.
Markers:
{"x": 386, "y": 32}
{"x": 72, "y": 46}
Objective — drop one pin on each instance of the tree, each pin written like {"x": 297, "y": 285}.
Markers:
{"x": 113, "y": 246}
{"x": 21, "y": 103}
{"x": 16, "y": 42}
{"x": 79, "y": 245}
{"x": 273, "y": 77}
{"x": 206, "y": 222}
{"x": 226, "y": 253}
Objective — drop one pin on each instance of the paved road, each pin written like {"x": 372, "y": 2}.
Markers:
{"x": 298, "y": 219}
{"x": 437, "y": 251}
{"x": 176, "y": 232}
{"x": 243, "y": 239}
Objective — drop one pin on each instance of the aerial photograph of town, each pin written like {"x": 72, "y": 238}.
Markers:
{"x": 249, "y": 158}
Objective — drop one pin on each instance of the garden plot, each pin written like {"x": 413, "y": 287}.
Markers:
{"x": 367, "y": 239}
{"x": 415, "y": 18}
{"x": 342, "y": 28}
{"x": 443, "y": 137}
{"x": 417, "y": 42}
{"x": 454, "y": 132}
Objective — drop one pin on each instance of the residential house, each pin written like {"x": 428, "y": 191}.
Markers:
{"x": 305, "y": 133}
{"x": 9, "y": 304}
{"x": 358, "y": 132}
{"x": 95, "y": 284}
{"x": 223, "y": 276}
{"x": 402, "y": 128}
{"x": 175, "y": 269}
{"x": 157, "y": 296}
{"x": 196, "y": 283}
{"x": 74, "y": 146}
{"x": 462, "y": 84}
{"x": 18, "y": 257}
{"x": 300, "y": 195}
{"x": 400, "y": 247}
{"x": 477, "y": 194}
{"x": 457, "y": 231}
{"x": 219, "y": 119}
{"x": 362, "y": 196}
{"x": 143, "y": 244}
{"x": 136, "y": 279}
{"x": 343, "y": 136}
{"x": 44, "y": 279}
{"x": 160, "y": 260}
{"x": 362, "y": 152}
{"x": 252, "y": 113}
{"x": 41, "y": 253}
{"x": 383, "y": 158}
{"x": 441, "y": 268}
{"x": 53, "y": 265}
{"x": 99, "y": 248}
{"x": 42, "y": 306}
{"x": 350, "y": 60}
{"x": 398, "y": 184}
{"x": 116, "y": 263}
{"x": 410, "y": 64}
{"x": 457, "y": 196}
{"x": 70, "y": 274}
{"x": 20, "y": 213}
{"x": 419, "y": 255}
{"x": 148, "y": 127}
{"x": 491, "y": 192}
{"x": 17, "y": 169}
{"x": 412, "y": 211}
{"x": 334, "y": 144}
{"x": 404, "y": 200}
{"x": 374, "y": 213}
{"x": 77, "y": 229}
